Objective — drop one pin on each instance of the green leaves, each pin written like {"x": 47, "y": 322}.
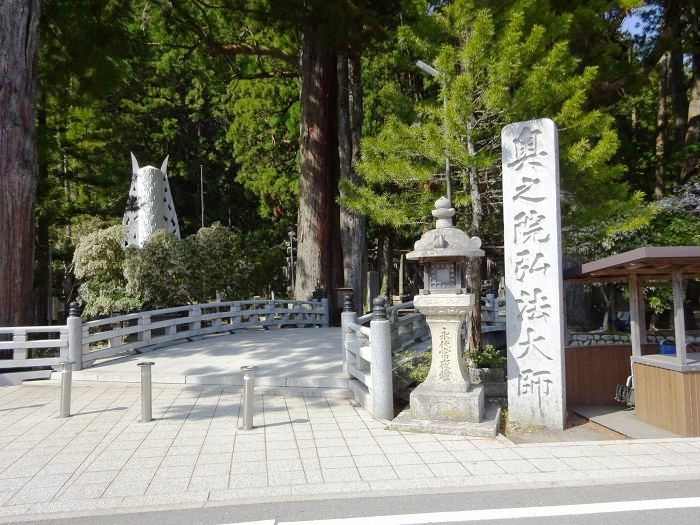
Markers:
{"x": 168, "y": 271}
{"x": 497, "y": 64}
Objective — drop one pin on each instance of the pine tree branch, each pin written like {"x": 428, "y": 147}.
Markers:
{"x": 267, "y": 74}
{"x": 215, "y": 47}
{"x": 253, "y": 50}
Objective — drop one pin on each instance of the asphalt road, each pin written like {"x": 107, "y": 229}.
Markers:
{"x": 670, "y": 503}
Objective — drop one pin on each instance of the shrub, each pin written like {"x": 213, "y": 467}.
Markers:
{"x": 167, "y": 271}
{"x": 488, "y": 357}
{"x": 161, "y": 270}
{"x": 99, "y": 265}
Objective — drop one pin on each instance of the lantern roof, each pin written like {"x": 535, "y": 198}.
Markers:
{"x": 445, "y": 241}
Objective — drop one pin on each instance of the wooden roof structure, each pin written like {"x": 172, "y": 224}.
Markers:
{"x": 649, "y": 263}
{"x": 654, "y": 263}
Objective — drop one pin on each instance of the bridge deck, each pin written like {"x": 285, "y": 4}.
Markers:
{"x": 290, "y": 357}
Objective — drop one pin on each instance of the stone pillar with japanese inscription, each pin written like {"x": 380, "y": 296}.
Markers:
{"x": 533, "y": 271}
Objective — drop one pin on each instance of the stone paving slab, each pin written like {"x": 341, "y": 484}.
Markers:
{"x": 316, "y": 362}
{"x": 195, "y": 454}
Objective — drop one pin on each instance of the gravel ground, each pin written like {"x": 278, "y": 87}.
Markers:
{"x": 577, "y": 429}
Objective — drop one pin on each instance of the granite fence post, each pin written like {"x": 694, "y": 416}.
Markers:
{"x": 346, "y": 318}
{"x": 381, "y": 387}
{"x": 75, "y": 336}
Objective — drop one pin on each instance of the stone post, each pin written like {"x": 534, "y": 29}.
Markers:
{"x": 19, "y": 336}
{"x": 145, "y": 335}
{"x": 75, "y": 336}
{"x": 347, "y": 317}
{"x": 326, "y": 312}
{"x": 196, "y": 316}
{"x": 381, "y": 388}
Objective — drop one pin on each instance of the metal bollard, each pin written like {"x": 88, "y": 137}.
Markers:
{"x": 146, "y": 391}
{"x": 248, "y": 395}
{"x": 66, "y": 383}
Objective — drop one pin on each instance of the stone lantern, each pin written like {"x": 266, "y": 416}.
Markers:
{"x": 446, "y": 394}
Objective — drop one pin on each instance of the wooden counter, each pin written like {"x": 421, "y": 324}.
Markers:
{"x": 666, "y": 396}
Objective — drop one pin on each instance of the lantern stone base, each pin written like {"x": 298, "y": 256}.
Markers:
{"x": 438, "y": 405}
{"x": 487, "y": 427}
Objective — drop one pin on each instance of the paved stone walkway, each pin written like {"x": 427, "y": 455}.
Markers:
{"x": 102, "y": 458}
{"x": 296, "y": 357}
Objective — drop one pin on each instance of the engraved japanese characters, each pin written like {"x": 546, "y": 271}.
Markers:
{"x": 535, "y": 320}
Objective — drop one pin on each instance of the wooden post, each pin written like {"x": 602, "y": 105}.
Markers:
{"x": 678, "y": 315}
{"x": 635, "y": 331}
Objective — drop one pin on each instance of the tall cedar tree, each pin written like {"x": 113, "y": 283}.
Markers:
{"x": 19, "y": 32}
{"x": 318, "y": 31}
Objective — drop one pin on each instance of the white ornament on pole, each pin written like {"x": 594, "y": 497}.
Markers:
{"x": 150, "y": 206}
{"x": 533, "y": 270}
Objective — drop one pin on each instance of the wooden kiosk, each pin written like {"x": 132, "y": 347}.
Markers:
{"x": 667, "y": 387}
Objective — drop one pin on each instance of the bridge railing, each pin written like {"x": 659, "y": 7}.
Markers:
{"x": 104, "y": 338}
{"x": 32, "y": 346}
{"x": 371, "y": 341}
{"x": 368, "y": 351}
{"x": 84, "y": 342}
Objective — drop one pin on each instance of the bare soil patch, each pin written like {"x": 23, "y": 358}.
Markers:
{"x": 577, "y": 429}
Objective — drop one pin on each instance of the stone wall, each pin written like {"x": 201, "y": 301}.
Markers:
{"x": 616, "y": 338}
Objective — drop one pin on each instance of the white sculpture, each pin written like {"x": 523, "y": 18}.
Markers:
{"x": 150, "y": 206}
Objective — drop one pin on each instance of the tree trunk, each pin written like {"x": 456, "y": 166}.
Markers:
{"x": 19, "y": 23}
{"x": 352, "y": 226}
{"x": 661, "y": 127}
{"x": 691, "y": 163}
{"x": 319, "y": 251}
{"x": 676, "y": 75}
{"x": 473, "y": 266}
{"x": 385, "y": 252}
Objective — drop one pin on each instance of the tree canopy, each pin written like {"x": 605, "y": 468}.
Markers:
{"x": 312, "y": 117}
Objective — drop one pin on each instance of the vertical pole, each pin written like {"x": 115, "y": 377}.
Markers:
{"x": 66, "y": 384}
{"x": 248, "y": 396}
{"x": 75, "y": 336}
{"x": 381, "y": 388}
{"x": 146, "y": 391}
{"x": 347, "y": 317}
{"x": 678, "y": 315}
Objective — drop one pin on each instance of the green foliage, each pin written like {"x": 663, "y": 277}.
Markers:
{"x": 659, "y": 298}
{"x": 653, "y": 224}
{"x": 99, "y": 264}
{"x": 161, "y": 272}
{"x": 412, "y": 368}
{"x": 420, "y": 371}
{"x": 497, "y": 65}
{"x": 488, "y": 357}
{"x": 168, "y": 271}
